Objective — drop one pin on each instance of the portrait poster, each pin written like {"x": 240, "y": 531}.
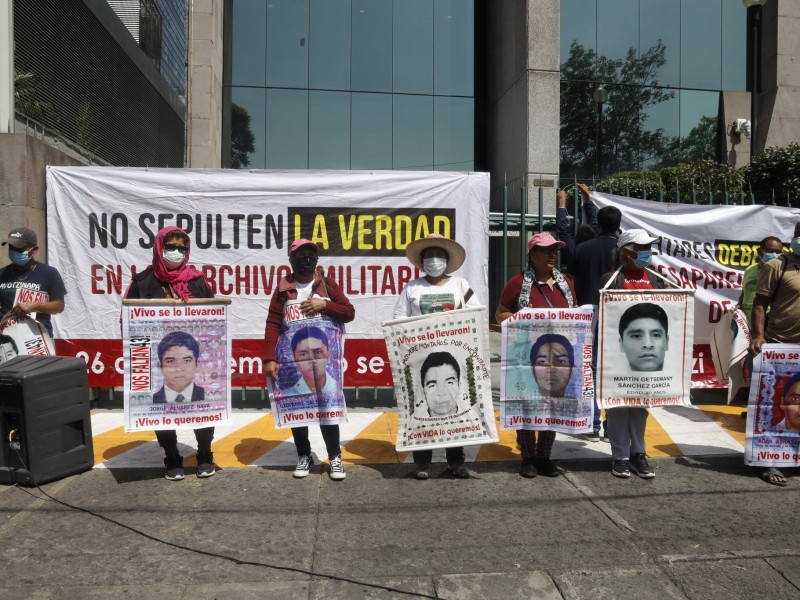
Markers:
{"x": 773, "y": 410}
{"x": 546, "y": 370}
{"x": 645, "y": 347}
{"x": 175, "y": 363}
{"x": 309, "y": 385}
{"x": 442, "y": 382}
{"x": 730, "y": 341}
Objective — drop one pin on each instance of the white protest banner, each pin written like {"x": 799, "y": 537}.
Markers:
{"x": 102, "y": 222}
{"x": 175, "y": 358}
{"x": 773, "y": 410}
{"x": 705, "y": 248}
{"x": 309, "y": 386}
{"x": 645, "y": 347}
{"x": 546, "y": 367}
{"x": 440, "y": 364}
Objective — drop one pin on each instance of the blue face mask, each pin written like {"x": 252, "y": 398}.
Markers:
{"x": 796, "y": 245}
{"x": 643, "y": 259}
{"x": 20, "y": 259}
{"x": 768, "y": 256}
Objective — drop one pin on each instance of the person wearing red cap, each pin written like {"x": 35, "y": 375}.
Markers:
{"x": 171, "y": 276}
{"x": 28, "y": 286}
{"x": 540, "y": 286}
{"x": 438, "y": 291}
{"x": 318, "y": 295}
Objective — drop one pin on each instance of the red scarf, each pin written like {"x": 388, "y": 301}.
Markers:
{"x": 178, "y": 278}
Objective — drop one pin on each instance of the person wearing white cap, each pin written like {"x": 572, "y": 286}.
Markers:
{"x": 318, "y": 295}
{"x": 438, "y": 257}
{"x": 540, "y": 286}
{"x": 626, "y": 424}
{"x": 28, "y": 286}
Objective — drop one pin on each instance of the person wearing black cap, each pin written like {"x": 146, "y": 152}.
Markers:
{"x": 318, "y": 295}
{"x": 438, "y": 291}
{"x": 27, "y": 286}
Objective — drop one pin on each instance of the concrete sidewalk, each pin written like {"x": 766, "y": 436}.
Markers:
{"x": 704, "y": 528}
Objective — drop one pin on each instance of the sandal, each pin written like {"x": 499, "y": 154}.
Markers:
{"x": 773, "y": 476}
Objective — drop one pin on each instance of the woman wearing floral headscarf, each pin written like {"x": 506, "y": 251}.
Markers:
{"x": 171, "y": 276}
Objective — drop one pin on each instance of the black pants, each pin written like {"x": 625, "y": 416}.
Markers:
{"x": 168, "y": 440}
{"x": 330, "y": 433}
{"x": 455, "y": 456}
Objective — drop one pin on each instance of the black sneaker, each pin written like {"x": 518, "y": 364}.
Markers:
{"x": 592, "y": 437}
{"x": 205, "y": 465}
{"x": 528, "y": 470}
{"x": 621, "y": 468}
{"x": 546, "y": 467}
{"x": 422, "y": 472}
{"x": 173, "y": 467}
{"x": 459, "y": 471}
{"x": 641, "y": 467}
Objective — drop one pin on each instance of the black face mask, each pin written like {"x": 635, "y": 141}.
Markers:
{"x": 305, "y": 265}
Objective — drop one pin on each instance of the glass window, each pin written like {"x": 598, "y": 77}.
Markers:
{"x": 329, "y": 130}
{"x": 247, "y": 128}
{"x": 661, "y": 22}
{"x": 287, "y": 43}
{"x": 701, "y": 44}
{"x": 661, "y": 132}
{"x": 248, "y": 42}
{"x": 453, "y": 125}
{"x": 696, "y": 105}
{"x": 329, "y": 44}
{"x": 412, "y": 127}
{"x": 734, "y": 46}
{"x": 454, "y": 36}
{"x": 287, "y": 129}
{"x": 372, "y": 45}
{"x": 617, "y": 28}
{"x": 578, "y": 24}
{"x": 371, "y": 144}
{"x": 413, "y": 47}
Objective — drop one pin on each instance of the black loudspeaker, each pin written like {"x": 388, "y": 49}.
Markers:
{"x": 44, "y": 409}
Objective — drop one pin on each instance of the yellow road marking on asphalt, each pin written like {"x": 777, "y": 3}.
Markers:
{"x": 115, "y": 442}
{"x": 505, "y": 450}
{"x": 375, "y": 444}
{"x": 245, "y": 445}
{"x": 657, "y": 441}
{"x": 729, "y": 418}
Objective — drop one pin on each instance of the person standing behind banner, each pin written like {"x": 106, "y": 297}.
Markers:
{"x": 25, "y": 273}
{"x": 171, "y": 276}
{"x": 586, "y": 231}
{"x": 319, "y": 295}
{"x": 777, "y": 290}
{"x": 626, "y": 424}
{"x": 770, "y": 248}
{"x": 540, "y": 286}
{"x": 437, "y": 291}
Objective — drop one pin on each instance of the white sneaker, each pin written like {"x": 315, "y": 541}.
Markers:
{"x": 337, "y": 468}
{"x": 304, "y": 464}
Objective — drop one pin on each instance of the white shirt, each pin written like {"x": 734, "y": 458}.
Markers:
{"x": 170, "y": 394}
{"x": 420, "y": 297}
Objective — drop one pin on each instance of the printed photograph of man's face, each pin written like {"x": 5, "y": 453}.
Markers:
{"x": 552, "y": 363}
{"x": 644, "y": 336}
{"x": 440, "y": 375}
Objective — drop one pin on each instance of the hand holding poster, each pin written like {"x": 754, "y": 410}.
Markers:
{"x": 773, "y": 411}
{"x": 176, "y": 364}
{"x": 441, "y": 379}
{"x": 546, "y": 381}
{"x": 653, "y": 330}
{"x": 309, "y": 385}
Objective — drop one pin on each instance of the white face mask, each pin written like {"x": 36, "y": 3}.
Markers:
{"x": 173, "y": 258}
{"x": 434, "y": 266}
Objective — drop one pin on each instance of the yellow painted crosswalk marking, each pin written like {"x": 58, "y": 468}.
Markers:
{"x": 505, "y": 450}
{"x": 375, "y": 444}
{"x": 112, "y": 443}
{"x": 245, "y": 445}
{"x": 729, "y": 418}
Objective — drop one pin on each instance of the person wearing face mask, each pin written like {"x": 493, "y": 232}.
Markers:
{"x": 27, "y": 286}
{"x": 437, "y": 291}
{"x": 777, "y": 291}
{"x": 319, "y": 295}
{"x": 770, "y": 248}
{"x": 626, "y": 424}
{"x": 171, "y": 276}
